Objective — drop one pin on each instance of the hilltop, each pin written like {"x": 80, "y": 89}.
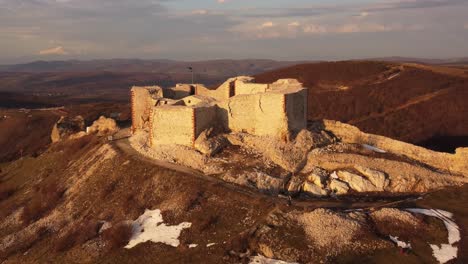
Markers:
{"x": 409, "y": 102}
{"x": 331, "y": 193}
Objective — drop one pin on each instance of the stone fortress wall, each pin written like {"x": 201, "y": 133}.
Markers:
{"x": 179, "y": 115}
{"x": 142, "y": 103}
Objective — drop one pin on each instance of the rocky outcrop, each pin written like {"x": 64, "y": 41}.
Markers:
{"x": 209, "y": 145}
{"x": 318, "y": 176}
{"x": 74, "y": 128}
{"x": 322, "y": 233}
{"x": 453, "y": 163}
{"x": 66, "y": 126}
{"x": 377, "y": 178}
{"x": 258, "y": 180}
{"x": 319, "y": 165}
{"x": 313, "y": 189}
{"x": 295, "y": 185}
{"x": 320, "y": 182}
{"x": 103, "y": 126}
{"x": 356, "y": 182}
{"x": 291, "y": 156}
{"x": 400, "y": 177}
{"x": 338, "y": 187}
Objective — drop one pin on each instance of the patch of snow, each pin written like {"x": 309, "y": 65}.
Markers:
{"x": 399, "y": 243}
{"x": 375, "y": 149}
{"x": 210, "y": 244}
{"x": 105, "y": 226}
{"x": 393, "y": 76}
{"x": 263, "y": 260}
{"x": 150, "y": 227}
{"x": 192, "y": 245}
{"x": 444, "y": 252}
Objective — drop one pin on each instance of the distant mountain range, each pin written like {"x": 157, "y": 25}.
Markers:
{"x": 209, "y": 67}
{"x": 450, "y": 61}
{"x": 219, "y": 68}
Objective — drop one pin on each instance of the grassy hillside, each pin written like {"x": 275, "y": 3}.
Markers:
{"x": 404, "y": 101}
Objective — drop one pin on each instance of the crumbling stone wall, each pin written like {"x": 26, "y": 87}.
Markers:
{"x": 197, "y": 99}
{"x": 265, "y": 113}
{"x": 238, "y": 105}
{"x": 142, "y": 102}
{"x": 296, "y": 110}
{"x": 285, "y": 83}
{"x": 172, "y": 125}
{"x": 231, "y": 87}
{"x": 180, "y": 125}
{"x": 238, "y": 114}
{"x": 249, "y": 88}
{"x": 271, "y": 117}
{"x": 220, "y": 94}
{"x": 180, "y": 91}
{"x": 205, "y": 117}
{"x": 454, "y": 163}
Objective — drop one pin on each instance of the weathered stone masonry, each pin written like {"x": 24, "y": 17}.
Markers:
{"x": 179, "y": 115}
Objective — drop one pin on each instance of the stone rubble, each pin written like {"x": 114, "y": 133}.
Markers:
{"x": 319, "y": 166}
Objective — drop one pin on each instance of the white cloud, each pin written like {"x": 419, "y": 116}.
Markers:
{"x": 376, "y": 27}
{"x": 124, "y": 28}
{"x": 59, "y": 50}
{"x": 200, "y": 12}
{"x": 268, "y": 24}
{"x": 294, "y": 24}
{"x": 363, "y": 14}
{"x": 355, "y": 28}
{"x": 312, "y": 28}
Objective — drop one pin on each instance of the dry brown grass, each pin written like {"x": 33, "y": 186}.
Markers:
{"x": 384, "y": 104}
{"x": 26, "y": 244}
{"x": 77, "y": 236}
{"x": 41, "y": 202}
{"x": 118, "y": 235}
{"x": 6, "y": 192}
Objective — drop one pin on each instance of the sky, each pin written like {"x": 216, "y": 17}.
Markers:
{"x": 234, "y": 29}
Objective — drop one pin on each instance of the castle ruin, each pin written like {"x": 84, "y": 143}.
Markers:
{"x": 180, "y": 114}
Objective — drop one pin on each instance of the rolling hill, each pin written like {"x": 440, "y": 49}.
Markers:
{"x": 209, "y": 67}
{"x": 409, "y": 102}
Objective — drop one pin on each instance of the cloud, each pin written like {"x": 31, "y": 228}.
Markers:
{"x": 288, "y": 12}
{"x": 363, "y": 14}
{"x": 268, "y": 24}
{"x": 277, "y": 30}
{"x": 355, "y": 28}
{"x": 59, "y": 50}
{"x": 314, "y": 29}
{"x": 162, "y": 28}
{"x": 200, "y": 12}
{"x": 415, "y": 4}
{"x": 294, "y": 24}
